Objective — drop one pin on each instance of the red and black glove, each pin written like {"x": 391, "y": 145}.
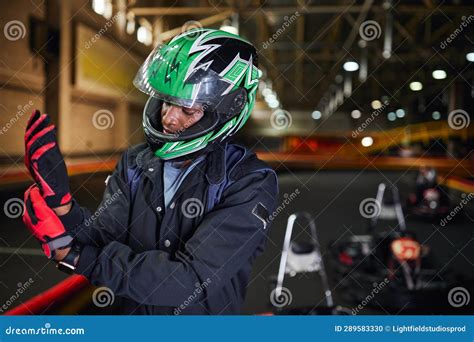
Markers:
{"x": 43, "y": 223}
{"x": 45, "y": 162}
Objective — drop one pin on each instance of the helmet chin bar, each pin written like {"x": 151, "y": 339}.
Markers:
{"x": 154, "y": 129}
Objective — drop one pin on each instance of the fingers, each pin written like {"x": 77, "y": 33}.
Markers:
{"x": 27, "y": 196}
{"x": 42, "y": 150}
{"x": 45, "y": 136}
{"x": 50, "y": 226}
{"x": 37, "y": 122}
{"x": 43, "y": 222}
{"x": 29, "y": 216}
{"x": 45, "y": 187}
{"x": 34, "y": 194}
{"x": 40, "y": 208}
{"x": 34, "y": 116}
{"x": 45, "y": 162}
{"x": 27, "y": 192}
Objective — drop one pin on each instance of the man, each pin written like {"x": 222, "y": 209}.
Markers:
{"x": 183, "y": 216}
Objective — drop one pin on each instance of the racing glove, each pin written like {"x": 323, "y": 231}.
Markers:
{"x": 43, "y": 223}
{"x": 44, "y": 160}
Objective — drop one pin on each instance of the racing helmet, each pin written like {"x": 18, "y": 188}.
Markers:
{"x": 210, "y": 69}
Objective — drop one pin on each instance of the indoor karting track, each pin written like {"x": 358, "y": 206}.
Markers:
{"x": 332, "y": 197}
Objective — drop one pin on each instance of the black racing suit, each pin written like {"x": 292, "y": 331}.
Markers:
{"x": 178, "y": 259}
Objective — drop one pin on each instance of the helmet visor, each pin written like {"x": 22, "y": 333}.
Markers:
{"x": 178, "y": 78}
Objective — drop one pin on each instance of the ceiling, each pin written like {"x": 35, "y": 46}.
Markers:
{"x": 304, "y": 44}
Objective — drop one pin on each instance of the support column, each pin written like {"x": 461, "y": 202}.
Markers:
{"x": 59, "y": 70}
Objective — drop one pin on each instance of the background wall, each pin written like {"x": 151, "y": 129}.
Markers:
{"x": 91, "y": 100}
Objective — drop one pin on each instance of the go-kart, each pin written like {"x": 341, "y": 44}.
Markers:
{"x": 299, "y": 259}
{"x": 433, "y": 203}
{"x": 392, "y": 269}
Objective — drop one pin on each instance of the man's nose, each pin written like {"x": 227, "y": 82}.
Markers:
{"x": 171, "y": 115}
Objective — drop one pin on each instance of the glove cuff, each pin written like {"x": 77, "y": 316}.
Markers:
{"x": 60, "y": 242}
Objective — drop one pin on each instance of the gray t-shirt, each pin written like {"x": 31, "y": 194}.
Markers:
{"x": 174, "y": 175}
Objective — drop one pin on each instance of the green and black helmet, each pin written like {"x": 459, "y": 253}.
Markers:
{"x": 210, "y": 68}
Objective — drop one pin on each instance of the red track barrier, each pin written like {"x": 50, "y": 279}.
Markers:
{"x": 50, "y": 298}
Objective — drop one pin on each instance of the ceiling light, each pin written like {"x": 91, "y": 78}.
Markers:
{"x": 266, "y": 91}
{"x": 470, "y": 57}
{"x": 439, "y": 74}
{"x": 376, "y": 104}
{"x": 270, "y": 97}
{"x": 367, "y": 141}
{"x": 436, "y": 115}
{"x": 391, "y": 116}
{"x": 274, "y": 104}
{"x": 144, "y": 35}
{"x": 130, "y": 23}
{"x": 351, "y": 66}
{"x": 400, "y": 113}
{"x": 356, "y": 114}
{"x": 316, "y": 115}
{"x": 416, "y": 86}
{"x": 99, "y": 6}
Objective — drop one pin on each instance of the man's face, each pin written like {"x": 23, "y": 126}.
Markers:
{"x": 176, "y": 119}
